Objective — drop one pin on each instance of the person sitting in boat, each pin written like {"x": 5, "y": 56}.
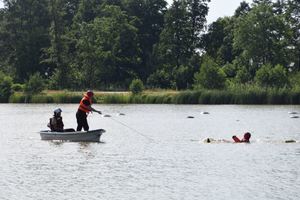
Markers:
{"x": 245, "y": 139}
{"x": 84, "y": 109}
{"x": 56, "y": 123}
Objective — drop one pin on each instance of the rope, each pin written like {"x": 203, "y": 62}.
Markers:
{"x": 138, "y": 132}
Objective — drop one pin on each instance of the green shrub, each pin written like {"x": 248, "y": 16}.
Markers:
{"x": 42, "y": 99}
{"x": 5, "y": 87}
{"x": 269, "y": 76}
{"x": 35, "y": 84}
{"x": 160, "y": 79}
{"x": 114, "y": 99}
{"x": 17, "y": 87}
{"x": 66, "y": 98}
{"x": 136, "y": 86}
{"x": 210, "y": 76}
{"x": 17, "y": 98}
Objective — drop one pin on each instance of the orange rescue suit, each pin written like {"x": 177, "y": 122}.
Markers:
{"x": 83, "y": 107}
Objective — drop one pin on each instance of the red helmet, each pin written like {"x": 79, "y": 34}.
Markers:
{"x": 90, "y": 93}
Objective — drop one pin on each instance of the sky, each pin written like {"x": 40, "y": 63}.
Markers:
{"x": 217, "y": 8}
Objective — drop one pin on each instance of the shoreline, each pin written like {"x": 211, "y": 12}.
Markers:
{"x": 260, "y": 97}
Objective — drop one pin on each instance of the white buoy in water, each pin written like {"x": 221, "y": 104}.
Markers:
{"x": 294, "y": 117}
{"x": 204, "y": 113}
{"x": 293, "y": 113}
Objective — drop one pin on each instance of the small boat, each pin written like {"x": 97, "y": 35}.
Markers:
{"x": 76, "y": 136}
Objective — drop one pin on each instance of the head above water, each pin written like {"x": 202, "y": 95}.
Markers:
{"x": 90, "y": 93}
{"x": 57, "y": 111}
{"x": 247, "y": 136}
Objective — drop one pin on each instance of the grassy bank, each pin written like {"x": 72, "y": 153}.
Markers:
{"x": 248, "y": 95}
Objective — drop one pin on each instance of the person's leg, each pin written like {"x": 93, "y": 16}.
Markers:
{"x": 85, "y": 124}
{"x": 79, "y": 121}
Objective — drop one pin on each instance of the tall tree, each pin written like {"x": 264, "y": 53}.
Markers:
{"x": 179, "y": 40}
{"x": 292, "y": 17}
{"x": 56, "y": 54}
{"x": 108, "y": 49}
{"x": 176, "y": 38}
{"x": 27, "y": 24}
{"x": 149, "y": 20}
{"x": 197, "y": 11}
{"x": 217, "y": 42}
{"x": 260, "y": 35}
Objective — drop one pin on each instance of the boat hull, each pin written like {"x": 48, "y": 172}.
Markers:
{"x": 77, "y": 136}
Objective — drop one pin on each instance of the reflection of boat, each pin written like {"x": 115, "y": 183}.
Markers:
{"x": 77, "y": 136}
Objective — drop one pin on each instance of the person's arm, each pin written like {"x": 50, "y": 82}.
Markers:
{"x": 87, "y": 103}
{"x": 236, "y": 139}
{"x": 94, "y": 110}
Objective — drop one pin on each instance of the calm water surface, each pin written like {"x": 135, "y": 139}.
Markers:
{"x": 160, "y": 156}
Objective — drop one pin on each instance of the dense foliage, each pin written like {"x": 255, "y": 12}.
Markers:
{"x": 105, "y": 45}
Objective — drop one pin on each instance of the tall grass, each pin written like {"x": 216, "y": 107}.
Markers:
{"x": 236, "y": 95}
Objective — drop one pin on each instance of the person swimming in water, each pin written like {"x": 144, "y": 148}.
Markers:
{"x": 245, "y": 139}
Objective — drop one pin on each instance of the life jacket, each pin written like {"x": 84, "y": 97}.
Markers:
{"x": 83, "y": 107}
{"x": 56, "y": 124}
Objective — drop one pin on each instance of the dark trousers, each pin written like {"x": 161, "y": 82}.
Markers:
{"x": 81, "y": 121}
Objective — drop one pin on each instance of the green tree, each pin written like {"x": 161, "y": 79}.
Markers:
{"x": 180, "y": 39}
{"x": 260, "y": 36}
{"x": 148, "y": 17}
{"x": 217, "y": 42}
{"x": 197, "y": 11}
{"x": 108, "y": 49}
{"x": 292, "y": 18}
{"x": 25, "y": 34}
{"x": 243, "y": 9}
{"x": 35, "y": 84}
{"x": 160, "y": 79}
{"x": 210, "y": 75}
{"x": 269, "y": 76}
{"x": 136, "y": 86}
{"x": 175, "y": 42}
{"x": 5, "y": 87}
{"x": 57, "y": 55}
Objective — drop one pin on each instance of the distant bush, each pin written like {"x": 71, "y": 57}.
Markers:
{"x": 5, "y": 87}
{"x": 17, "y": 87}
{"x": 295, "y": 81}
{"x": 269, "y": 76}
{"x": 66, "y": 97}
{"x": 35, "y": 84}
{"x": 210, "y": 76}
{"x": 18, "y": 97}
{"x": 160, "y": 79}
{"x": 136, "y": 86}
{"x": 243, "y": 76}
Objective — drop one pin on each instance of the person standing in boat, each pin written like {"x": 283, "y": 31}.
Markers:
{"x": 56, "y": 123}
{"x": 85, "y": 107}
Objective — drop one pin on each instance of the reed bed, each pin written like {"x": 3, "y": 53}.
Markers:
{"x": 241, "y": 95}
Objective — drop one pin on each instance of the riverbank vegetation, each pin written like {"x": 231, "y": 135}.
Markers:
{"x": 140, "y": 46}
{"x": 241, "y": 95}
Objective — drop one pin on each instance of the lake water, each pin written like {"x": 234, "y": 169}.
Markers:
{"x": 152, "y": 152}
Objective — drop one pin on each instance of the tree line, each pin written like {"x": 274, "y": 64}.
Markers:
{"x": 106, "y": 44}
